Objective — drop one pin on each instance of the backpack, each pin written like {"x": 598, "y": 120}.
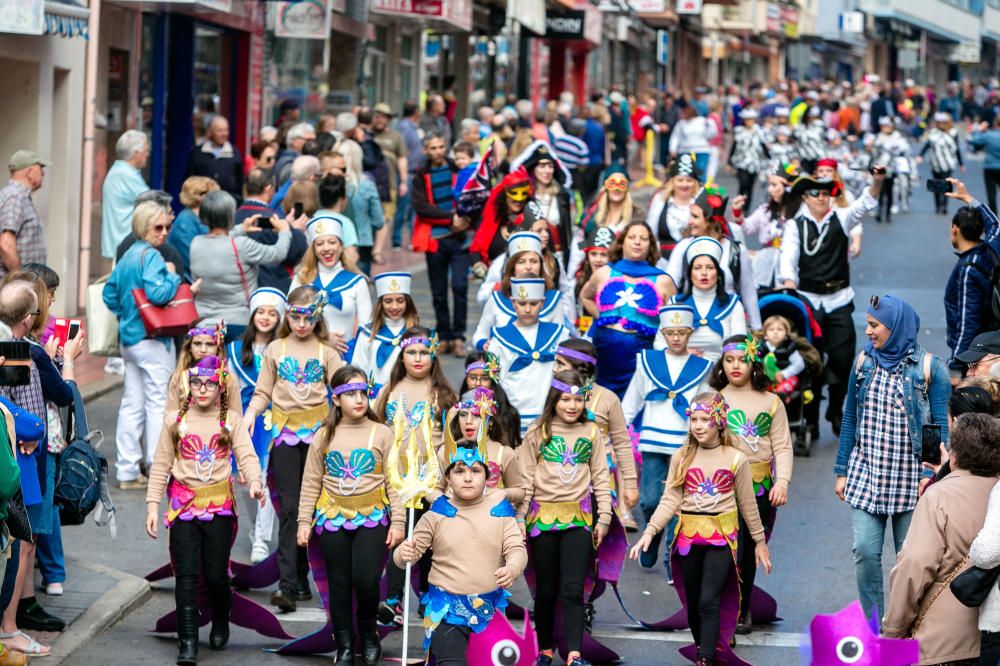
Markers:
{"x": 991, "y": 313}
{"x": 82, "y": 476}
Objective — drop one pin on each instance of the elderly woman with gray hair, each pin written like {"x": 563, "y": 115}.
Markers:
{"x": 227, "y": 263}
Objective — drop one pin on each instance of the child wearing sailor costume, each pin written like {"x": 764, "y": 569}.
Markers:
{"x": 375, "y": 353}
{"x": 348, "y": 302}
{"x": 664, "y": 384}
{"x": 525, "y": 350}
{"x": 498, "y": 309}
{"x": 718, "y": 313}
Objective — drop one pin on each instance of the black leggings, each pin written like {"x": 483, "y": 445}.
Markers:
{"x": 746, "y": 181}
{"x": 449, "y": 643}
{"x": 287, "y": 463}
{"x": 560, "y": 558}
{"x": 353, "y": 561}
{"x": 885, "y": 200}
{"x": 839, "y": 343}
{"x": 395, "y": 577}
{"x": 989, "y": 649}
{"x": 199, "y": 548}
{"x": 705, "y": 570}
{"x": 748, "y": 554}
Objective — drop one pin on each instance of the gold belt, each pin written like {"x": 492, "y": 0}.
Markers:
{"x": 281, "y": 419}
{"x": 761, "y": 471}
{"x": 350, "y": 506}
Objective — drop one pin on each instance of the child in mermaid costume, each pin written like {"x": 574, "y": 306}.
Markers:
{"x": 349, "y": 507}
{"x": 477, "y": 553}
{"x": 710, "y": 485}
{"x": 293, "y": 381}
{"x": 192, "y": 467}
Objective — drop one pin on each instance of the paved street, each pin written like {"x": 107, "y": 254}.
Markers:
{"x": 813, "y": 572}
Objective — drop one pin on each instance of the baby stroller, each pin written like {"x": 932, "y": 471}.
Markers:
{"x": 796, "y": 309}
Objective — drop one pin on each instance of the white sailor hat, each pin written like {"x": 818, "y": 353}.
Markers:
{"x": 814, "y": 112}
{"x": 942, "y": 117}
{"x": 327, "y": 224}
{"x": 703, "y": 245}
{"x": 884, "y": 121}
{"x": 748, "y": 113}
{"x": 524, "y": 241}
{"x": 527, "y": 289}
{"x": 676, "y": 315}
{"x": 784, "y": 130}
{"x": 269, "y": 296}
{"x": 812, "y": 94}
{"x": 391, "y": 283}
{"x": 782, "y": 112}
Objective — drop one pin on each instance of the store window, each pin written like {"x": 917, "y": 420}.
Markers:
{"x": 295, "y": 69}
{"x": 208, "y": 75}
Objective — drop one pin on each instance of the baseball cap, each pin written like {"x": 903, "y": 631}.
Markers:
{"x": 983, "y": 344}
{"x": 384, "y": 109}
{"x": 23, "y": 159}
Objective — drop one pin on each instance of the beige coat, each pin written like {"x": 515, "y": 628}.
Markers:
{"x": 947, "y": 518}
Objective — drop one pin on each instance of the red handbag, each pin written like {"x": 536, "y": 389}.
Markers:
{"x": 170, "y": 320}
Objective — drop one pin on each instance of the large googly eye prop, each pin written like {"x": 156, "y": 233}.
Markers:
{"x": 850, "y": 650}
{"x": 505, "y": 653}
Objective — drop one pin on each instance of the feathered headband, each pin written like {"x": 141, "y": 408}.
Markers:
{"x": 716, "y": 409}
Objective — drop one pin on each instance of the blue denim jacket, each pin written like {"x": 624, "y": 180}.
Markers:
{"x": 140, "y": 267}
{"x": 923, "y": 404}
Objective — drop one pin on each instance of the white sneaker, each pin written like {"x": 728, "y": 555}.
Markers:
{"x": 115, "y": 366}
{"x": 54, "y": 589}
{"x": 259, "y": 552}
{"x": 894, "y": 210}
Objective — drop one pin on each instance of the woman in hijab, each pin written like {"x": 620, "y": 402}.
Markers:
{"x": 894, "y": 389}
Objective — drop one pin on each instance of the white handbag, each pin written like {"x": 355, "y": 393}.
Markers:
{"x": 102, "y": 324}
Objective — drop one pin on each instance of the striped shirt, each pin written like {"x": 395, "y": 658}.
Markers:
{"x": 441, "y": 187}
{"x": 810, "y": 140}
{"x": 572, "y": 151}
{"x": 749, "y": 152}
{"x": 883, "y": 473}
{"x": 944, "y": 150}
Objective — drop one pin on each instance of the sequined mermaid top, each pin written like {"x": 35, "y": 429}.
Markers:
{"x": 759, "y": 425}
{"x": 634, "y": 306}
{"x": 294, "y": 374}
{"x": 717, "y": 482}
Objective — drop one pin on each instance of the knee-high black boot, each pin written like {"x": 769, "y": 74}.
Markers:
{"x": 345, "y": 647}
{"x": 187, "y": 636}
{"x": 222, "y": 606}
{"x": 371, "y": 647}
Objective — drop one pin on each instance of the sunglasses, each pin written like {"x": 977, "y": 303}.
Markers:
{"x": 873, "y": 302}
{"x": 619, "y": 184}
{"x": 817, "y": 193}
{"x": 160, "y": 228}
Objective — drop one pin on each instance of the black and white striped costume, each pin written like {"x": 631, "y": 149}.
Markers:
{"x": 945, "y": 153}
{"x": 811, "y": 140}
{"x": 750, "y": 150}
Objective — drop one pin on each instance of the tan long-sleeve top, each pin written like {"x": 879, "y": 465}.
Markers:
{"x": 947, "y": 519}
{"x": 545, "y": 484}
{"x": 178, "y": 387}
{"x": 346, "y": 438}
{"x": 180, "y": 463}
{"x": 407, "y": 393}
{"x": 724, "y": 467}
{"x": 514, "y": 483}
{"x": 469, "y": 547}
{"x": 283, "y": 394}
{"x": 610, "y": 417}
{"x": 778, "y": 442}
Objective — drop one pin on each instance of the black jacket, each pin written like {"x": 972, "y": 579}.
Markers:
{"x": 226, "y": 170}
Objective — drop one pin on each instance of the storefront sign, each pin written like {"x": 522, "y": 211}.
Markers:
{"x": 965, "y": 52}
{"x": 853, "y": 23}
{"x": 529, "y": 13}
{"x": 26, "y": 17}
{"x": 662, "y": 46}
{"x": 773, "y": 17}
{"x": 457, "y": 13}
{"x": 790, "y": 21}
{"x": 302, "y": 19}
{"x": 689, "y": 6}
{"x": 224, "y": 6}
{"x": 648, "y": 6}
{"x": 566, "y": 24}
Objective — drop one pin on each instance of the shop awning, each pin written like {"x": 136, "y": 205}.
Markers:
{"x": 66, "y": 20}
{"x": 935, "y": 30}
{"x": 440, "y": 15}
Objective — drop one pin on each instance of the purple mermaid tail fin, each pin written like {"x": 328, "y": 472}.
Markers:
{"x": 676, "y": 622}
{"x": 763, "y": 607}
{"x": 257, "y": 576}
{"x": 591, "y": 649}
{"x": 166, "y": 571}
{"x": 248, "y": 614}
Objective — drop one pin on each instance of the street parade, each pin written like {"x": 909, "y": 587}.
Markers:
{"x": 663, "y": 370}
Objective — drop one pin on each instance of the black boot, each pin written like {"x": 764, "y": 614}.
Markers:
{"x": 371, "y": 646}
{"x": 345, "y": 648}
{"x": 222, "y": 606}
{"x": 187, "y": 636}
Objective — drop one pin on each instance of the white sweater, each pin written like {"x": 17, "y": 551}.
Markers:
{"x": 985, "y": 553}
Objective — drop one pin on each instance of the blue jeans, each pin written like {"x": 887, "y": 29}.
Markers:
{"x": 49, "y": 553}
{"x": 404, "y": 215}
{"x": 869, "y": 535}
{"x": 651, "y": 483}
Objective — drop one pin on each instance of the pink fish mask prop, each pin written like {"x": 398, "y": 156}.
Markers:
{"x": 847, "y": 637}
{"x": 500, "y": 645}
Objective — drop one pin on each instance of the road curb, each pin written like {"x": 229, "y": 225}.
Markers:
{"x": 129, "y": 592}
{"x": 94, "y": 390}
